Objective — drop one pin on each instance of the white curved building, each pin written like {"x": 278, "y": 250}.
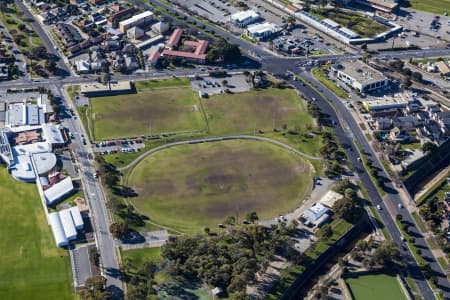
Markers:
{"x": 57, "y": 228}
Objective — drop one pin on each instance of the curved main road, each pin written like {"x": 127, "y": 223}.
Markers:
{"x": 217, "y": 139}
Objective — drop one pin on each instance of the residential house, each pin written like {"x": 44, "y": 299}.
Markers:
{"x": 68, "y": 34}
{"x": 383, "y": 124}
{"x": 4, "y": 71}
{"x": 131, "y": 63}
{"x": 397, "y": 135}
{"x": 407, "y": 123}
{"x": 135, "y": 33}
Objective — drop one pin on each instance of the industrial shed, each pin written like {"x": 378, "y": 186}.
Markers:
{"x": 57, "y": 228}
{"x": 68, "y": 224}
{"x": 76, "y": 216}
{"x": 65, "y": 224}
{"x": 58, "y": 190}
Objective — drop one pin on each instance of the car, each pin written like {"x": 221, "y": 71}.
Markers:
{"x": 400, "y": 205}
{"x": 313, "y": 99}
{"x": 358, "y": 159}
{"x": 378, "y": 207}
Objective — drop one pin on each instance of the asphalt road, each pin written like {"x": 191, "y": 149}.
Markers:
{"x": 94, "y": 193}
{"x": 272, "y": 64}
{"x": 347, "y": 137}
{"x": 63, "y": 68}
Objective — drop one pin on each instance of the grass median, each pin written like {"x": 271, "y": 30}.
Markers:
{"x": 319, "y": 74}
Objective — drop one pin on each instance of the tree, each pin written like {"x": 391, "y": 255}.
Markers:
{"x": 428, "y": 147}
{"x": 38, "y": 52}
{"x": 95, "y": 289}
{"x": 50, "y": 65}
{"x": 406, "y": 82}
{"x": 118, "y": 229}
{"x": 222, "y": 50}
{"x": 323, "y": 3}
{"x": 327, "y": 231}
{"x": 230, "y": 220}
{"x": 416, "y": 76}
{"x": 386, "y": 254}
{"x": 252, "y": 217}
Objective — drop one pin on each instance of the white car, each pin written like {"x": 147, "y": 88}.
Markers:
{"x": 378, "y": 207}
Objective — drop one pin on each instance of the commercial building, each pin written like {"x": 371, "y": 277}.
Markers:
{"x": 244, "y": 18}
{"x": 397, "y": 101}
{"x": 263, "y": 30}
{"x": 330, "y": 198}
{"x": 317, "y": 214}
{"x": 360, "y": 76}
{"x": 141, "y": 19}
{"x": 443, "y": 68}
{"x": 20, "y": 114}
{"x": 100, "y": 89}
{"x": 382, "y": 5}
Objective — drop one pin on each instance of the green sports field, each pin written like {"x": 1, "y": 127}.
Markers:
{"x": 433, "y": 6}
{"x": 375, "y": 287}
{"x": 167, "y": 109}
{"x": 255, "y": 110}
{"x": 189, "y": 187}
{"x": 31, "y": 266}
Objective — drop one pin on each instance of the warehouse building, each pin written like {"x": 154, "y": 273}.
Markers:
{"x": 58, "y": 190}
{"x": 57, "y": 229}
{"x": 68, "y": 225}
{"x": 360, "y": 76}
{"x": 65, "y": 224}
{"x": 396, "y": 101}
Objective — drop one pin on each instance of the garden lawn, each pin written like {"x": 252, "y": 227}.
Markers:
{"x": 433, "y": 6}
{"x": 151, "y": 111}
{"x": 12, "y": 21}
{"x": 31, "y": 266}
{"x": 138, "y": 257}
{"x": 255, "y": 110}
{"x": 375, "y": 287}
{"x": 148, "y": 84}
{"x": 189, "y": 187}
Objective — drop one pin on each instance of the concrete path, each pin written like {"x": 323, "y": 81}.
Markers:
{"x": 148, "y": 239}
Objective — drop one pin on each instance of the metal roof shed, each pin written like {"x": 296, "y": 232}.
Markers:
{"x": 68, "y": 224}
{"x": 76, "y": 216}
{"x": 58, "y": 232}
{"x": 57, "y": 191}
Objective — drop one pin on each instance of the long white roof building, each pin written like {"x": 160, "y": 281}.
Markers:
{"x": 57, "y": 228}
{"x": 76, "y": 216}
{"x": 67, "y": 223}
{"x": 58, "y": 190}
